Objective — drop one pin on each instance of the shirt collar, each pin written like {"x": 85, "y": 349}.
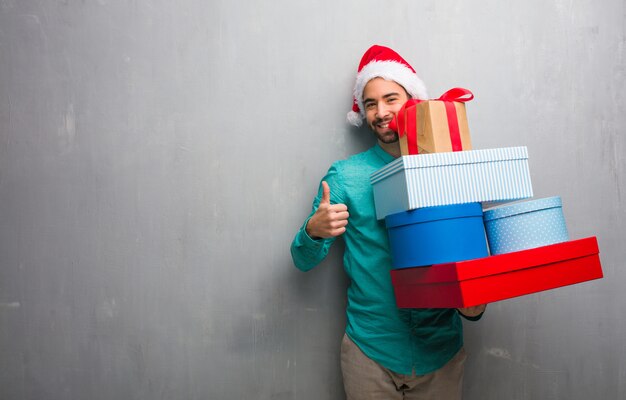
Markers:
{"x": 386, "y": 157}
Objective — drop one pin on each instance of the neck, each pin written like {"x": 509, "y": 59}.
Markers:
{"x": 391, "y": 148}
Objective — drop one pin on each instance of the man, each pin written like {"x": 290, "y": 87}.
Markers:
{"x": 386, "y": 353}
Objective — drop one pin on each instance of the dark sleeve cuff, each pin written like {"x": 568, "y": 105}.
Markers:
{"x": 476, "y": 318}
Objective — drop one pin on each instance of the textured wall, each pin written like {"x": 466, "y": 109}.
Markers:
{"x": 157, "y": 157}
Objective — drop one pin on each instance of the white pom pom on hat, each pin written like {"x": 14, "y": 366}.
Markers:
{"x": 383, "y": 62}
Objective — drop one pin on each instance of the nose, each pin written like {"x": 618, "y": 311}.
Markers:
{"x": 382, "y": 110}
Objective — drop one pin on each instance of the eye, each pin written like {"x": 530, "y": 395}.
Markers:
{"x": 392, "y": 99}
{"x": 369, "y": 106}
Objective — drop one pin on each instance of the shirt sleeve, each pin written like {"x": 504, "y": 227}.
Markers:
{"x": 307, "y": 252}
{"x": 476, "y": 318}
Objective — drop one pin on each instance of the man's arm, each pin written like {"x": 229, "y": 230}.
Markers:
{"x": 326, "y": 222}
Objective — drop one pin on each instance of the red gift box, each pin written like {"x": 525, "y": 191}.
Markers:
{"x": 485, "y": 280}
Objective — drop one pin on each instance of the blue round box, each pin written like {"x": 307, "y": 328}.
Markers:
{"x": 435, "y": 235}
{"x": 525, "y": 225}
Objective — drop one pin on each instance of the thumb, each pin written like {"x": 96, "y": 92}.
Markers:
{"x": 325, "y": 193}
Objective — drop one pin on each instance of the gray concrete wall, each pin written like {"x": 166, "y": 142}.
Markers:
{"x": 157, "y": 157}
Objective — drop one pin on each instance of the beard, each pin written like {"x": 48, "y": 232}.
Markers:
{"x": 384, "y": 135}
{"x": 388, "y": 137}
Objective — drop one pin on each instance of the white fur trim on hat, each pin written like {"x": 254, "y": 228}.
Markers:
{"x": 354, "y": 118}
{"x": 391, "y": 71}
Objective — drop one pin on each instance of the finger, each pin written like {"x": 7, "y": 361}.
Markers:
{"x": 325, "y": 193}
{"x": 338, "y": 208}
{"x": 339, "y": 224}
{"x": 341, "y": 216}
{"x": 337, "y": 232}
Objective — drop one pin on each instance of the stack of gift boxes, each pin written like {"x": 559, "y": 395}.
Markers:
{"x": 446, "y": 251}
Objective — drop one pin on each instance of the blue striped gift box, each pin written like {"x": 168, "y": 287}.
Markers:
{"x": 438, "y": 179}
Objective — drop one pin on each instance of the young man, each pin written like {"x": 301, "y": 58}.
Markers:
{"x": 386, "y": 353}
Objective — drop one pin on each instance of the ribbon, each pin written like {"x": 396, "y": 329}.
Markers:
{"x": 460, "y": 95}
{"x": 403, "y": 125}
{"x": 406, "y": 125}
{"x": 457, "y": 94}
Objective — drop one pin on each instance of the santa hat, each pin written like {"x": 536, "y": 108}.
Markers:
{"x": 383, "y": 62}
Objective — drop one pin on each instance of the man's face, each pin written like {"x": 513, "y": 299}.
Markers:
{"x": 382, "y": 99}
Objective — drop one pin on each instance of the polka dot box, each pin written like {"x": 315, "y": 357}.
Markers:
{"x": 525, "y": 225}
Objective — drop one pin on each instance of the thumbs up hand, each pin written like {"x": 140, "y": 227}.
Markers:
{"x": 329, "y": 220}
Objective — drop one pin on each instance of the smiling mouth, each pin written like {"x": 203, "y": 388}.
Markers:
{"x": 383, "y": 124}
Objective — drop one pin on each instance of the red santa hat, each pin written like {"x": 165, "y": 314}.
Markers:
{"x": 383, "y": 62}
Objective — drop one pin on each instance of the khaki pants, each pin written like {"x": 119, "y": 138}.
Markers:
{"x": 364, "y": 379}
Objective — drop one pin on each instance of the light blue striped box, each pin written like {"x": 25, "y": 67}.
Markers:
{"x": 439, "y": 179}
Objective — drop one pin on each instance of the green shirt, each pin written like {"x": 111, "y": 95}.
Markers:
{"x": 401, "y": 340}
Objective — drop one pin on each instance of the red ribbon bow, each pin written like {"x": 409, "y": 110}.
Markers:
{"x": 457, "y": 94}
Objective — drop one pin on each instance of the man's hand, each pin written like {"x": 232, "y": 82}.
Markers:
{"x": 329, "y": 220}
{"x": 473, "y": 311}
